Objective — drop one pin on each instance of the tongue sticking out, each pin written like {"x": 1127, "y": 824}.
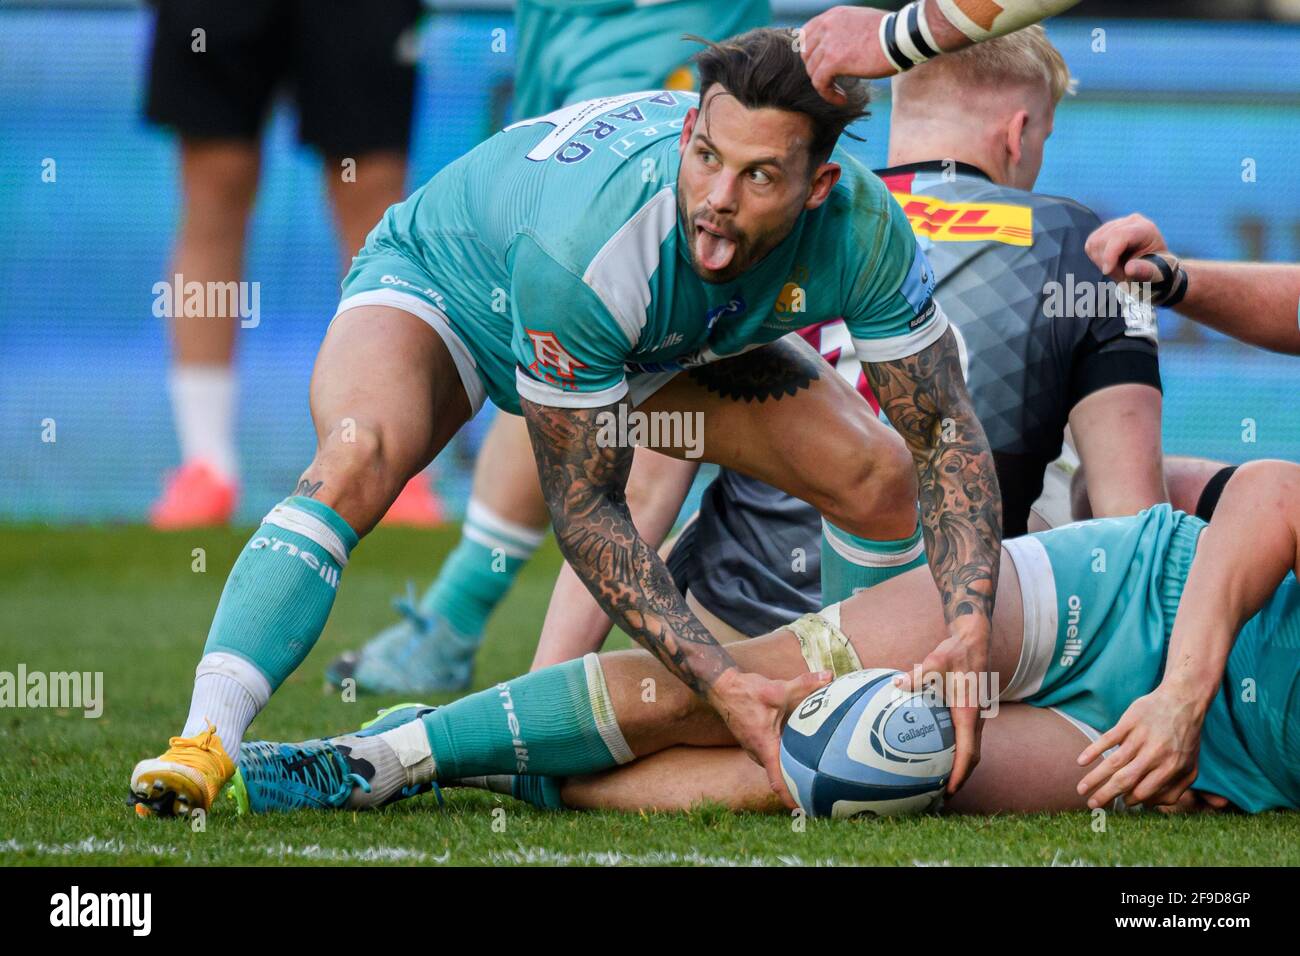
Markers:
{"x": 712, "y": 251}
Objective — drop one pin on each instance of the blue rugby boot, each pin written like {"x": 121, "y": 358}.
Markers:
{"x": 311, "y": 775}
{"x": 335, "y": 773}
{"x": 420, "y": 654}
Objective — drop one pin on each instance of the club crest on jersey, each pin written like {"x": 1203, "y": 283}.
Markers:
{"x": 551, "y": 361}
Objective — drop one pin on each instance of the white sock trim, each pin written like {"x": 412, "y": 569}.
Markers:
{"x": 309, "y": 526}
{"x": 489, "y": 523}
{"x": 238, "y": 669}
{"x": 871, "y": 559}
{"x": 602, "y": 708}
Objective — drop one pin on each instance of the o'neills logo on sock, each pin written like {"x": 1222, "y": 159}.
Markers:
{"x": 325, "y": 570}
{"x": 516, "y": 735}
{"x": 76, "y": 908}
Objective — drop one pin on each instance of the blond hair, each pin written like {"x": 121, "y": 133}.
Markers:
{"x": 1026, "y": 57}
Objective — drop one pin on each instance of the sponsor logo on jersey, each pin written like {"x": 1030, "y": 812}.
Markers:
{"x": 944, "y": 221}
{"x": 551, "y": 360}
{"x": 735, "y": 307}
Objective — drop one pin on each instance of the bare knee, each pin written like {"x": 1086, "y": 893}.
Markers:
{"x": 873, "y": 489}
{"x": 1267, "y": 483}
{"x": 357, "y": 472}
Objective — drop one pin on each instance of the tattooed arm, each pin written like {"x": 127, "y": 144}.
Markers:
{"x": 584, "y": 483}
{"x": 926, "y": 400}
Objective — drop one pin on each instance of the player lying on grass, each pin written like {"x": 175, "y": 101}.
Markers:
{"x": 1169, "y": 646}
{"x": 572, "y": 266}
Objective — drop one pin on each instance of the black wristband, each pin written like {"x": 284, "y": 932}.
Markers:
{"x": 1171, "y": 288}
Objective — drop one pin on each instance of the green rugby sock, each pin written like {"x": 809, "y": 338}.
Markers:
{"x": 271, "y": 612}
{"x": 558, "y": 721}
{"x": 282, "y": 587}
{"x": 851, "y": 564}
{"x": 479, "y": 573}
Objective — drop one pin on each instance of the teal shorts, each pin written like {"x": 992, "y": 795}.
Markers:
{"x": 1099, "y": 600}
{"x": 566, "y": 58}
{"x": 451, "y": 304}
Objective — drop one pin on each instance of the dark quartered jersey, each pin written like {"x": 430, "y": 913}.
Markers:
{"x": 1038, "y": 329}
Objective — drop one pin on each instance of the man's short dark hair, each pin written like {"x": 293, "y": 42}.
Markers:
{"x": 763, "y": 68}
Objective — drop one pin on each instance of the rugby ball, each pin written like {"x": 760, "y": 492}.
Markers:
{"x": 860, "y": 746}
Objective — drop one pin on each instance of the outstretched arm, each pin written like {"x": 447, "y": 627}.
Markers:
{"x": 926, "y": 400}
{"x": 870, "y": 43}
{"x": 583, "y": 481}
{"x": 1254, "y": 302}
{"x": 1250, "y": 546}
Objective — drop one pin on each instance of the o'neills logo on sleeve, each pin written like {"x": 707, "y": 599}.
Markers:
{"x": 326, "y": 570}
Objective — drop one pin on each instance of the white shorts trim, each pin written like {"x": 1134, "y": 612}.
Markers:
{"x": 1038, "y": 598}
{"x": 466, "y": 367}
{"x": 1092, "y": 733}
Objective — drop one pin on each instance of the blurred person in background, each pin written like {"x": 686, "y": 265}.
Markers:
{"x": 215, "y": 71}
{"x": 570, "y": 51}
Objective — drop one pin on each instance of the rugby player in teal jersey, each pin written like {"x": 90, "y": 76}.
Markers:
{"x": 568, "y": 51}
{"x": 572, "y": 266}
{"x": 1152, "y": 659}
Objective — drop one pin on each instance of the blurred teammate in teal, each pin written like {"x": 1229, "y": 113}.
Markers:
{"x": 1150, "y": 659}
{"x": 639, "y": 253}
{"x": 568, "y": 51}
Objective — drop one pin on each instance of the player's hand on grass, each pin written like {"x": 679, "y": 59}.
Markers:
{"x": 960, "y": 660}
{"x": 755, "y": 709}
{"x": 1156, "y": 745}
{"x": 1117, "y": 247}
{"x": 843, "y": 41}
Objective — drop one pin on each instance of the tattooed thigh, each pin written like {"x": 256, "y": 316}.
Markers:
{"x": 778, "y": 370}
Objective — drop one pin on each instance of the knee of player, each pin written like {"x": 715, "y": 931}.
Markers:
{"x": 880, "y": 482}
{"x": 1270, "y": 483}
{"x": 355, "y": 449}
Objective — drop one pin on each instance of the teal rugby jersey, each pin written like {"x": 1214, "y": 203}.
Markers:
{"x": 555, "y": 252}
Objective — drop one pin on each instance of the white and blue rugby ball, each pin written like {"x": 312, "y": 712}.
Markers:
{"x": 860, "y": 746}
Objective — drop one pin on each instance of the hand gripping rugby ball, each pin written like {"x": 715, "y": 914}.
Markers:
{"x": 860, "y": 746}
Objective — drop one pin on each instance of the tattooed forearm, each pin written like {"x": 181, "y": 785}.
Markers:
{"x": 926, "y": 400}
{"x": 583, "y": 484}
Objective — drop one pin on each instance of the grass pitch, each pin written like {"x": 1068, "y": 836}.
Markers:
{"x": 128, "y": 602}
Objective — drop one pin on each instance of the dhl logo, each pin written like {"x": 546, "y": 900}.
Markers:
{"x": 967, "y": 221}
